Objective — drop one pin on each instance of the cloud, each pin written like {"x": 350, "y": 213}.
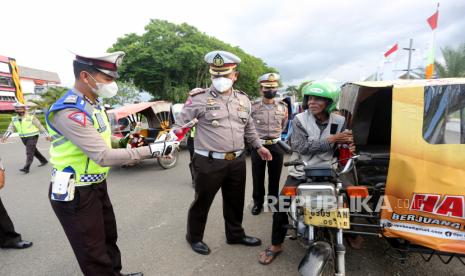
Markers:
{"x": 304, "y": 40}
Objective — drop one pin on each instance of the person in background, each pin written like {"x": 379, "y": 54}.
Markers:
{"x": 270, "y": 118}
{"x": 28, "y": 128}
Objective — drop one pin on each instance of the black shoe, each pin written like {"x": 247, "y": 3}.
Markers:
{"x": 247, "y": 240}
{"x": 199, "y": 247}
{"x": 18, "y": 245}
{"x": 133, "y": 274}
{"x": 43, "y": 164}
{"x": 257, "y": 209}
{"x": 24, "y": 170}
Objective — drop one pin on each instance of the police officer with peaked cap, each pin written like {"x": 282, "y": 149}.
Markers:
{"x": 223, "y": 115}
{"x": 81, "y": 155}
{"x": 270, "y": 117}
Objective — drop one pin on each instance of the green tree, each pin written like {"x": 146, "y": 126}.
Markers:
{"x": 299, "y": 89}
{"x": 49, "y": 97}
{"x": 167, "y": 60}
{"x": 454, "y": 62}
{"x": 127, "y": 94}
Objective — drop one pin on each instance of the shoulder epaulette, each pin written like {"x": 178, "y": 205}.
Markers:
{"x": 243, "y": 93}
{"x": 197, "y": 91}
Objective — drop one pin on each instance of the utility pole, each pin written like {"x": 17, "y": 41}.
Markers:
{"x": 409, "y": 64}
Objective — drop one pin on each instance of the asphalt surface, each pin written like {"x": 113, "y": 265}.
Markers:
{"x": 151, "y": 209}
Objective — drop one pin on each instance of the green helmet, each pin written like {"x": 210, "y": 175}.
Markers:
{"x": 323, "y": 89}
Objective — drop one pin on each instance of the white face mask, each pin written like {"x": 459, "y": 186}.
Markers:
{"x": 104, "y": 90}
{"x": 222, "y": 84}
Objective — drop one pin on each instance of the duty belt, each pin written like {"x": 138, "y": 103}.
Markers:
{"x": 268, "y": 142}
{"x": 220, "y": 155}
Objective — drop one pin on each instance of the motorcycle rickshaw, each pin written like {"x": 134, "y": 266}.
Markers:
{"x": 153, "y": 121}
{"x": 405, "y": 184}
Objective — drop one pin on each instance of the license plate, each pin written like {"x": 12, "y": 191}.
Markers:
{"x": 337, "y": 219}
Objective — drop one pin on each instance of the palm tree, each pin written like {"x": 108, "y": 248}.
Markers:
{"x": 49, "y": 97}
{"x": 454, "y": 62}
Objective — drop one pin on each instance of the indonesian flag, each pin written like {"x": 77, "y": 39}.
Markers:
{"x": 433, "y": 23}
{"x": 392, "y": 50}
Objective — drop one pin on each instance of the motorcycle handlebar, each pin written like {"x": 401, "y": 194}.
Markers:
{"x": 284, "y": 146}
{"x": 293, "y": 163}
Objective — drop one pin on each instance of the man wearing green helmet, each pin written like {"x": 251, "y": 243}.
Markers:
{"x": 315, "y": 133}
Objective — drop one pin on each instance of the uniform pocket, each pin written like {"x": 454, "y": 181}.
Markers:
{"x": 215, "y": 115}
{"x": 259, "y": 119}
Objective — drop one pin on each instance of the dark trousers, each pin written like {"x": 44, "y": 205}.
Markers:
{"x": 280, "y": 219}
{"x": 190, "y": 147}
{"x": 211, "y": 175}
{"x": 90, "y": 225}
{"x": 31, "y": 150}
{"x": 8, "y": 236}
{"x": 258, "y": 174}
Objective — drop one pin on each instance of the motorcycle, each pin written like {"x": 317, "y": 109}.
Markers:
{"x": 319, "y": 213}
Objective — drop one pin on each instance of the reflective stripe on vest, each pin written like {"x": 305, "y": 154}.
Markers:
{"x": 25, "y": 126}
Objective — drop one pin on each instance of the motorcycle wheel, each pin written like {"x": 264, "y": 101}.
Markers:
{"x": 319, "y": 260}
{"x": 168, "y": 163}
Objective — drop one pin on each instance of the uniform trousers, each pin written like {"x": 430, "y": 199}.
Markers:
{"x": 90, "y": 226}
{"x": 211, "y": 175}
{"x": 31, "y": 150}
{"x": 8, "y": 235}
{"x": 280, "y": 219}
{"x": 274, "y": 174}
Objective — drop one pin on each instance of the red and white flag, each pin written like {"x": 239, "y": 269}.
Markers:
{"x": 433, "y": 23}
{"x": 433, "y": 20}
{"x": 392, "y": 50}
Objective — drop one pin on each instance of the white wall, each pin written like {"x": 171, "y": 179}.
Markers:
{"x": 27, "y": 86}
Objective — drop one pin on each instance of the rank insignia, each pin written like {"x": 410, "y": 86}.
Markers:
{"x": 71, "y": 99}
{"x": 210, "y": 101}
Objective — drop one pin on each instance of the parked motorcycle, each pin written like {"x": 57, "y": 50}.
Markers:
{"x": 319, "y": 213}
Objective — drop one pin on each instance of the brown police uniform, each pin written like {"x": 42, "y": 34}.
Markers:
{"x": 269, "y": 120}
{"x": 219, "y": 162}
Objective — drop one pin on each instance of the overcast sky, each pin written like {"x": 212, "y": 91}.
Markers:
{"x": 341, "y": 40}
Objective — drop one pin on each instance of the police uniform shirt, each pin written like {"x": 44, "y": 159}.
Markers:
{"x": 223, "y": 121}
{"x": 269, "y": 119}
{"x": 86, "y": 137}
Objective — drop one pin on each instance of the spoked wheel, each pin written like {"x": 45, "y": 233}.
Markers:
{"x": 169, "y": 162}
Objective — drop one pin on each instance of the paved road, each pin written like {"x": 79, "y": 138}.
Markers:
{"x": 150, "y": 205}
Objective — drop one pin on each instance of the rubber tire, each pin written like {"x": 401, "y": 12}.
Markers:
{"x": 319, "y": 260}
{"x": 172, "y": 164}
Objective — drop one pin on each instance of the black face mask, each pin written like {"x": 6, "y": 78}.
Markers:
{"x": 269, "y": 94}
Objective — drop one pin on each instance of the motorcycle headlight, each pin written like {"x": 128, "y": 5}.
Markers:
{"x": 317, "y": 197}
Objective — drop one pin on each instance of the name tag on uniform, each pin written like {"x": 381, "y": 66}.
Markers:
{"x": 101, "y": 123}
{"x": 62, "y": 186}
{"x": 213, "y": 108}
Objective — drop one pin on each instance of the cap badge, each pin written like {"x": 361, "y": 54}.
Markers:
{"x": 271, "y": 77}
{"x": 218, "y": 60}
